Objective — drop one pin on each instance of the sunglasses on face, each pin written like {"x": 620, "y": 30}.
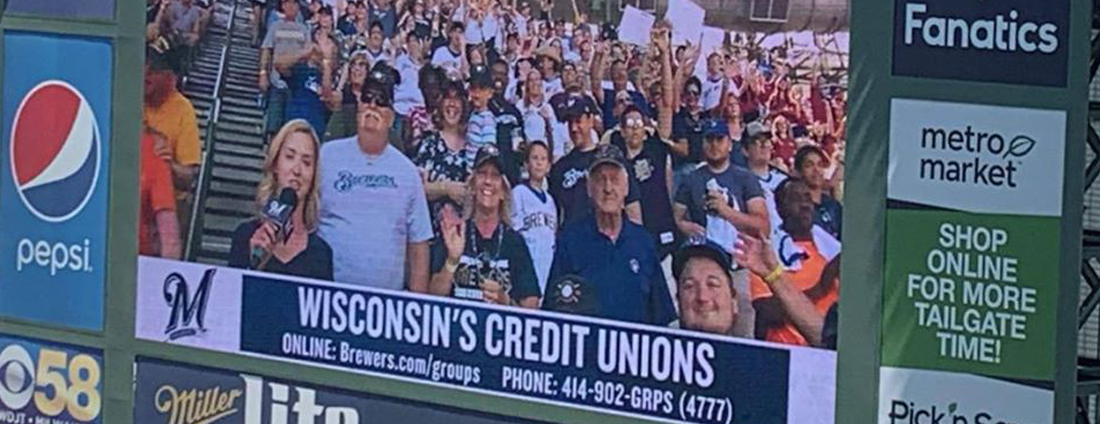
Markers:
{"x": 376, "y": 99}
{"x": 633, "y": 123}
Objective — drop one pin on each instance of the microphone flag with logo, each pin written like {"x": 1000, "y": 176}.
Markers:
{"x": 276, "y": 211}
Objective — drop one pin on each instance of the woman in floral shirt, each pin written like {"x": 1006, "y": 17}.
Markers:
{"x": 441, "y": 155}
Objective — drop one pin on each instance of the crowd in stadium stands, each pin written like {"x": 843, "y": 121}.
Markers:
{"x": 482, "y": 150}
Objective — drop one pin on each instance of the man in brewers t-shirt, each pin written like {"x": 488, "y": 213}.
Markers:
{"x": 569, "y": 174}
{"x": 720, "y": 200}
{"x": 373, "y": 209}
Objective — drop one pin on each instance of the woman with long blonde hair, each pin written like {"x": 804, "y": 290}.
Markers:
{"x": 481, "y": 257}
{"x": 295, "y": 248}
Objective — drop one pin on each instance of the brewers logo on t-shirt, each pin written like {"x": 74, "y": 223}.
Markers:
{"x": 472, "y": 271}
{"x": 643, "y": 170}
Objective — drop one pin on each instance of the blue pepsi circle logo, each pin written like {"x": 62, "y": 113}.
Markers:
{"x": 55, "y": 151}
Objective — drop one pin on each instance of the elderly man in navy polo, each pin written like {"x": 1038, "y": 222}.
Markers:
{"x": 613, "y": 257}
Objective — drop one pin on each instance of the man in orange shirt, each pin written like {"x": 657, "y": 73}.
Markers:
{"x": 795, "y": 275}
{"x": 169, "y": 113}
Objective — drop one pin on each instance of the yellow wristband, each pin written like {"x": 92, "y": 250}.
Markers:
{"x": 774, "y": 276}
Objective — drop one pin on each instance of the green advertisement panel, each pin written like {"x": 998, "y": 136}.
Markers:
{"x": 975, "y": 293}
{"x": 965, "y": 163}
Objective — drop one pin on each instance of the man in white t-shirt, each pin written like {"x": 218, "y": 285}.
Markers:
{"x": 451, "y": 55}
{"x": 408, "y": 65}
{"x": 481, "y": 27}
{"x": 373, "y": 210}
{"x": 718, "y": 81}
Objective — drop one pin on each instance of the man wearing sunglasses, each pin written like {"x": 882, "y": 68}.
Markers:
{"x": 373, "y": 209}
{"x": 648, "y": 158}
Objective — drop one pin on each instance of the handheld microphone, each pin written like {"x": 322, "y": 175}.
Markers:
{"x": 276, "y": 211}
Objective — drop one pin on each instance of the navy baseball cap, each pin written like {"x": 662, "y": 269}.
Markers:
{"x": 381, "y": 81}
{"x": 487, "y": 153}
{"x": 608, "y": 153}
{"x": 701, "y": 247}
{"x": 480, "y": 76}
{"x": 715, "y": 128}
{"x": 577, "y": 106}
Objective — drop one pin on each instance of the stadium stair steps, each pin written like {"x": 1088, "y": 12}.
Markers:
{"x": 233, "y": 145}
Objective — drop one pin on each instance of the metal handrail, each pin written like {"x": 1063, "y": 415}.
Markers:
{"x": 206, "y": 166}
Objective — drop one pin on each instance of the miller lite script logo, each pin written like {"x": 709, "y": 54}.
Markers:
{"x": 270, "y": 403}
{"x": 187, "y": 308}
{"x": 195, "y": 406}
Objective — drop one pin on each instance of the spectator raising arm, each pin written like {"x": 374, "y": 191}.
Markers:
{"x": 667, "y": 106}
{"x": 596, "y": 74}
{"x": 788, "y": 302}
{"x": 454, "y": 241}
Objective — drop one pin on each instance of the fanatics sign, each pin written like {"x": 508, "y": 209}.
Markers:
{"x": 1004, "y": 41}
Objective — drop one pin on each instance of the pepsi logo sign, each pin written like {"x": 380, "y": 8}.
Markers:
{"x": 55, "y": 151}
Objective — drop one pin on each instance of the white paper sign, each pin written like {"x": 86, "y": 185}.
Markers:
{"x": 635, "y": 26}
{"x": 712, "y": 40}
{"x": 687, "y": 21}
{"x": 771, "y": 41}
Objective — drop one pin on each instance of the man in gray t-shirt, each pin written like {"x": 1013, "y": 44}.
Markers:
{"x": 183, "y": 18}
{"x": 287, "y": 36}
{"x": 374, "y": 212}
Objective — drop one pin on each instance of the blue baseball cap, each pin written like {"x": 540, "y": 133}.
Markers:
{"x": 607, "y": 153}
{"x": 702, "y": 247}
{"x": 714, "y": 128}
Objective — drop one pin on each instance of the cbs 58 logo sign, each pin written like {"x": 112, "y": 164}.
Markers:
{"x": 54, "y": 381}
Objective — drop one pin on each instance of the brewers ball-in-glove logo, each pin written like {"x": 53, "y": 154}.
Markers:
{"x": 569, "y": 291}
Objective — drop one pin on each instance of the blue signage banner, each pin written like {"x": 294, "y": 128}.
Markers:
{"x": 572, "y": 361}
{"x": 69, "y": 9}
{"x": 46, "y": 382}
{"x": 1006, "y": 41}
{"x": 631, "y": 369}
{"x": 54, "y": 144}
{"x": 175, "y": 393}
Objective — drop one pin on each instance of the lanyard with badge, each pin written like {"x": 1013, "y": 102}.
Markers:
{"x": 479, "y": 266}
